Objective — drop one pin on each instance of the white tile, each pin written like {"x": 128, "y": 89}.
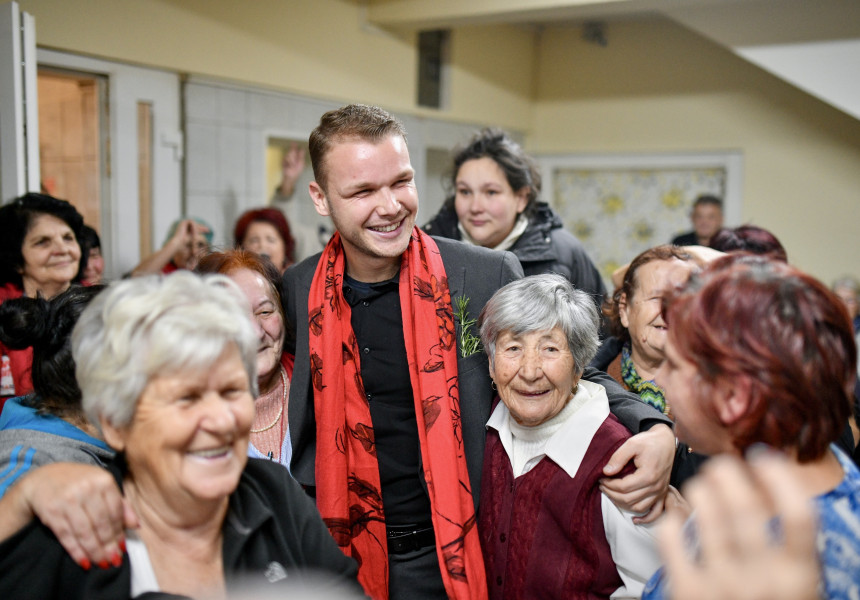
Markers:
{"x": 255, "y": 161}
{"x": 201, "y": 102}
{"x": 232, "y": 106}
{"x": 202, "y": 158}
{"x": 231, "y": 160}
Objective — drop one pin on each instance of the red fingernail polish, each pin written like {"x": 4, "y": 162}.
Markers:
{"x": 103, "y": 564}
{"x": 122, "y": 545}
{"x": 85, "y": 564}
{"x": 116, "y": 559}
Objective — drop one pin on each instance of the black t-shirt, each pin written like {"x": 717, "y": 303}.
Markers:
{"x": 378, "y": 326}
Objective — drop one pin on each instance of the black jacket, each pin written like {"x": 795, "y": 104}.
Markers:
{"x": 544, "y": 247}
{"x": 272, "y": 533}
{"x": 474, "y": 273}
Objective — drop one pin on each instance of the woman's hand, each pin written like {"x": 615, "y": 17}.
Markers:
{"x": 738, "y": 560}
{"x": 81, "y": 504}
{"x": 292, "y": 167}
{"x": 644, "y": 490}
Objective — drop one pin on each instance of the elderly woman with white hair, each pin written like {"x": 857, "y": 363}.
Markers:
{"x": 546, "y": 528}
{"x": 167, "y": 368}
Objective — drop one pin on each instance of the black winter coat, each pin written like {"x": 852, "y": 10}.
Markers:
{"x": 544, "y": 247}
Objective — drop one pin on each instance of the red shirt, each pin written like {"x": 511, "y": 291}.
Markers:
{"x": 20, "y": 361}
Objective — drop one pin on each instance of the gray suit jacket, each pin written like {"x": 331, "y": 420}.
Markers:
{"x": 475, "y": 273}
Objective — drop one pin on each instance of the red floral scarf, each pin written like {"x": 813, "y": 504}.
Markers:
{"x": 347, "y": 473}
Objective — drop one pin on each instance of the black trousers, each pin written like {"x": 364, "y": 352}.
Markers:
{"x": 415, "y": 576}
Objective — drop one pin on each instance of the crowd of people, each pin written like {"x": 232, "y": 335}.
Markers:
{"x": 456, "y": 411}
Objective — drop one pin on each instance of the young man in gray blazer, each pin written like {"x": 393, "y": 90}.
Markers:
{"x": 364, "y": 183}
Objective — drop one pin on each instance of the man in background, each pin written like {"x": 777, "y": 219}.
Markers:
{"x": 707, "y": 219}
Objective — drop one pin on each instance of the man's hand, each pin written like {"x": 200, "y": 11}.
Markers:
{"x": 738, "y": 559}
{"x": 644, "y": 490}
{"x": 81, "y": 504}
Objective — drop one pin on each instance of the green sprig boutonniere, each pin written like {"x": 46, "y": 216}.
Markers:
{"x": 469, "y": 343}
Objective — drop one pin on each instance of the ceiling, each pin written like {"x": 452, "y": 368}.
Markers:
{"x": 812, "y": 44}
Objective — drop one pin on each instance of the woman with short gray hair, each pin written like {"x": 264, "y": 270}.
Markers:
{"x": 167, "y": 367}
{"x": 174, "y": 323}
{"x": 547, "y": 443}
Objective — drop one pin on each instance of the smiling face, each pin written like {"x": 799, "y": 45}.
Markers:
{"x": 188, "y": 440}
{"x": 641, "y": 314}
{"x": 262, "y": 238}
{"x": 267, "y": 319}
{"x": 534, "y": 374}
{"x": 51, "y": 256}
{"x": 486, "y": 205}
{"x": 371, "y": 198}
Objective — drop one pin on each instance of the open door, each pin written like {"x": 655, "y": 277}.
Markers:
{"x": 143, "y": 148}
{"x": 19, "y": 123}
{"x": 140, "y": 142}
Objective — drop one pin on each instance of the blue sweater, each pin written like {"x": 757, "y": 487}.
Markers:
{"x": 29, "y": 440}
{"x": 838, "y": 539}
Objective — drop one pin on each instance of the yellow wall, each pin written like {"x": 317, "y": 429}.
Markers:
{"x": 492, "y": 73}
{"x": 321, "y": 48}
{"x": 656, "y": 87}
{"x": 659, "y": 88}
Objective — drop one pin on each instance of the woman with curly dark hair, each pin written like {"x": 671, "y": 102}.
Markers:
{"x": 39, "y": 256}
{"x": 494, "y": 202}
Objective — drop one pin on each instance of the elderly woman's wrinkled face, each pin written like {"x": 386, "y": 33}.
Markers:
{"x": 51, "y": 253}
{"x": 534, "y": 374}
{"x": 188, "y": 439}
{"x": 486, "y": 205}
{"x": 262, "y": 238}
{"x": 266, "y": 317}
{"x": 641, "y": 314}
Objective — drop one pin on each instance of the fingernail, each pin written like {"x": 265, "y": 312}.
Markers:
{"x": 122, "y": 545}
{"x": 116, "y": 559}
{"x": 85, "y": 564}
{"x": 103, "y": 564}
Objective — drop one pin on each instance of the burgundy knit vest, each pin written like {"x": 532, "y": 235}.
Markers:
{"x": 542, "y": 534}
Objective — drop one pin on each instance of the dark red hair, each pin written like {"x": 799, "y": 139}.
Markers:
{"x": 753, "y": 318}
{"x": 273, "y": 217}
{"x": 749, "y": 238}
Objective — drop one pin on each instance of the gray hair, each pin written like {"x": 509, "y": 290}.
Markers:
{"x": 848, "y": 282}
{"x": 539, "y": 303}
{"x": 148, "y": 326}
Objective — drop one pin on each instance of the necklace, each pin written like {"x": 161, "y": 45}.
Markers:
{"x": 281, "y": 411}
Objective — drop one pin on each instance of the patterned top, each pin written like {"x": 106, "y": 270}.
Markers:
{"x": 648, "y": 391}
{"x": 838, "y": 539}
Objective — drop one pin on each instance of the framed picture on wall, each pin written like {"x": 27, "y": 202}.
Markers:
{"x": 621, "y": 205}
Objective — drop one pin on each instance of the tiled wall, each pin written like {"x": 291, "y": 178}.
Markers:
{"x": 227, "y": 128}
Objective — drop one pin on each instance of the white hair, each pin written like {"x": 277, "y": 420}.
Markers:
{"x": 148, "y": 326}
{"x": 540, "y": 303}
